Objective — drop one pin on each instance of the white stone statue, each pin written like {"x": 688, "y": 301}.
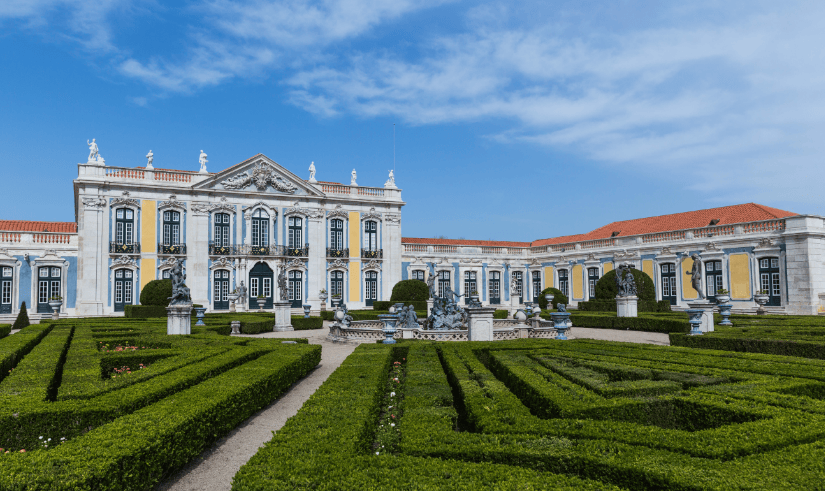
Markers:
{"x": 150, "y": 157}
{"x": 352, "y": 179}
{"x": 391, "y": 181}
{"x": 94, "y": 153}
{"x": 202, "y": 160}
{"x": 312, "y": 172}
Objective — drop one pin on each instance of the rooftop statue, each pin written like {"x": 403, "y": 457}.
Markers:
{"x": 150, "y": 157}
{"x": 353, "y": 178}
{"x": 391, "y": 181}
{"x": 202, "y": 160}
{"x": 312, "y": 172}
{"x": 94, "y": 153}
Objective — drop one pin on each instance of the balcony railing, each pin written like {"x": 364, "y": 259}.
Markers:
{"x": 337, "y": 252}
{"x": 175, "y": 250}
{"x": 250, "y": 250}
{"x": 218, "y": 250}
{"x": 116, "y": 248}
{"x": 377, "y": 254}
{"x": 300, "y": 252}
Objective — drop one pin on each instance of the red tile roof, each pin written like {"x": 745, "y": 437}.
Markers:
{"x": 748, "y": 212}
{"x": 27, "y": 226}
{"x": 174, "y": 170}
{"x": 326, "y": 182}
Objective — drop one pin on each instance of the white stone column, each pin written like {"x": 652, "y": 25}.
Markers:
{"x": 317, "y": 269}
{"x": 392, "y": 252}
{"x": 92, "y": 277}
{"x": 197, "y": 256}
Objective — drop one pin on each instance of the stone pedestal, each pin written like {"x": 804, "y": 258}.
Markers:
{"x": 179, "y": 320}
{"x": 480, "y": 324}
{"x": 707, "y": 314}
{"x": 430, "y": 303}
{"x": 627, "y": 306}
{"x": 561, "y": 324}
{"x": 283, "y": 318}
{"x": 236, "y": 328}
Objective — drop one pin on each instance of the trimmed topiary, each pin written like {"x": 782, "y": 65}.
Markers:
{"x": 606, "y": 288}
{"x": 22, "y": 318}
{"x": 558, "y": 297}
{"x": 410, "y": 290}
{"x": 156, "y": 292}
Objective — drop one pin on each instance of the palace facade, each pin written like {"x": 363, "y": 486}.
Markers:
{"x": 255, "y": 219}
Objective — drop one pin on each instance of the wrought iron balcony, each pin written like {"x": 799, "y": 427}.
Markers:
{"x": 299, "y": 252}
{"x": 376, "y": 254}
{"x": 337, "y": 252}
{"x": 257, "y": 250}
{"x": 117, "y": 248}
{"x": 216, "y": 250}
{"x": 175, "y": 250}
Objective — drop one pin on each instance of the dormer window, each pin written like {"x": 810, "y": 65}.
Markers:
{"x": 615, "y": 233}
{"x": 713, "y": 222}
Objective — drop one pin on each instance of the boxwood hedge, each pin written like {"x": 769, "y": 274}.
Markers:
{"x": 545, "y": 414}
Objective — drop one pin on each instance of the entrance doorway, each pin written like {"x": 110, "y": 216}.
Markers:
{"x": 260, "y": 283}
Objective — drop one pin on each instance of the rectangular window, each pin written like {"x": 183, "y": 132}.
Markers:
{"x": 673, "y": 285}
{"x": 592, "y": 288}
{"x": 256, "y": 232}
{"x": 763, "y": 263}
{"x": 7, "y": 272}
{"x": 5, "y": 292}
{"x": 127, "y": 296}
{"x": 128, "y": 238}
{"x": 218, "y": 291}
{"x": 119, "y": 292}
{"x": 43, "y": 292}
{"x": 253, "y": 286}
{"x": 55, "y": 288}
{"x": 175, "y": 234}
{"x": 44, "y": 272}
{"x": 775, "y": 284}
{"x": 267, "y": 287}
{"x": 55, "y": 272}
{"x": 765, "y": 281}
{"x": 224, "y": 291}
{"x": 665, "y": 285}
{"x": 774, "y": 263}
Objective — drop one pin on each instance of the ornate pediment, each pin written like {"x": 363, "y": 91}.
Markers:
{"x": 338, "y": 212}
{"x": 172, "y": 203}
{"x": 124, "y": 261}
{"x": 126, "y": 200}
{"x": 259, "y": 175}
{"x": 371, "y": 215}
{"x": 337, "y": 263}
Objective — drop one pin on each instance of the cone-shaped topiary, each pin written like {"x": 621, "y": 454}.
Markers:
{"x": 22, "y": 318}
{"x": 156, "y": 292}
{"x": 558, "y": 297}
{"x": 606, "y": 288}
{"x": 410, "y": 290}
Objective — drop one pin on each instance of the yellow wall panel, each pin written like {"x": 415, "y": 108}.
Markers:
{"x": 355, "y": 281}
{"x": 687, "y": 288}
{"x": 647, "y": 267}
{"x": 548, "y": 277}
{"x": 578, "y": 290}
{"x": 148, "y": 226}
{"x": 608, "y": 267}
{"x": 147, "y": 273}
{"x": 740, "y": 277}
{"x": 354, "y": 234}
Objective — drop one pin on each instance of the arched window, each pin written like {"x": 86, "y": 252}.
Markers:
{"x": 536, "y": 285}
{"x": 336, "y": 237}
{"x": 6, "y": 283}
{"x": 221, "y": 287}
{"x": 48, "y": 286}
{"x": 592, "y": 279}
{"x": 669, "y": 283}
{"x": 443, "y": 282}
{"x": 470, "y": 284}
{"x": 418, "y": 274}
{"x": 222, "y": 230}
{"x": 296, "y": 281}
{"x": 124, "y": 226}
{"x": 260, "y": 228}
{"x": 336, "y": 284}
{"x": 123, "y": 289}
{"x": 171, "y": 228}
{"x": 370, "y": 235}
{"x": 563, "y": 282}
{"x": 769, "y": 279}
{"x": 295, "y": 239}
{"x": 371, "y": 287}
{"x": 713, "y": 278}
{"x": 495, "y": 287}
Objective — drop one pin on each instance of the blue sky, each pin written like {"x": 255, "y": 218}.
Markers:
{"x": 514, "y": 120}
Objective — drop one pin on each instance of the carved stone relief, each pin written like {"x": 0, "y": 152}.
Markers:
{"x": 262, "y": 176}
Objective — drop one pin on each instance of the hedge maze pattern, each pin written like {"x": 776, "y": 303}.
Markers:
{"x": 78, "y": 412}
{"x": 538, "y": 414}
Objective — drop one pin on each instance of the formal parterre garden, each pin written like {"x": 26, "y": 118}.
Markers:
{"x": 117, "y": 404}
{"x": 546, "y": 414}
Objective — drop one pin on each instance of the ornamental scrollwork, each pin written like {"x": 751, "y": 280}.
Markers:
{"x": 262, "y": 176}
{"x": 373, "y": 264}
{"x": 200, "y": 208}
{"x": 124, "y": 261}
{"x": 372, "y": 214}
{"x": 94, "y": 203}
{"x": 765, "y": 242}
{"x": 712, "y": 247}
{"x": 223, "y": 263}
{"x": 172, "y": 203}
{"x": 392, "y": 218}
{"x": 337, "y": 264}
{"x": 126, "y": 200}
{"x": 337, "y": 212}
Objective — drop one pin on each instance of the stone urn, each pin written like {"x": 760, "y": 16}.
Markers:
{"x": 474, "y": 298}
{"x": 722, "y": 298}
{"x": 389, "y": 329}
{"x": 260, "y": 301}
{"x": 761, "y": 299}
{"x": 306, "y": 311}
{"x": 336, "y": 302}
{"x": 549, "y": 297}
{"x": 199, "y": 313}
{"x": 520, "y": 316}
{"x": 233, "y": 298}
{"x": 528, "y": 308}
{"x": 323, "y": 296}
{"x": 55, "y": 305}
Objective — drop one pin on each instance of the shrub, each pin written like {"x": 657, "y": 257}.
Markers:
{"x": 558, "y": 297}
{"x": 145, "y": 311}
{"x": 500, "y": 314}
{"x": 606, "y": 288}
{"x": 22, "y": 318}
{"x": 302, "y": 323}
{"x": 648, "y": 323}
{"x": 5, "y": 329}
{"x": 156, "y": 292}
{"x": 410, "y": 290}
{"x": 610, "y": 306}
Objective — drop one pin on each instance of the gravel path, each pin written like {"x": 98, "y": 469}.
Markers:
{"x": 216, "y": 467}
{"x": 617, "y": 335}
